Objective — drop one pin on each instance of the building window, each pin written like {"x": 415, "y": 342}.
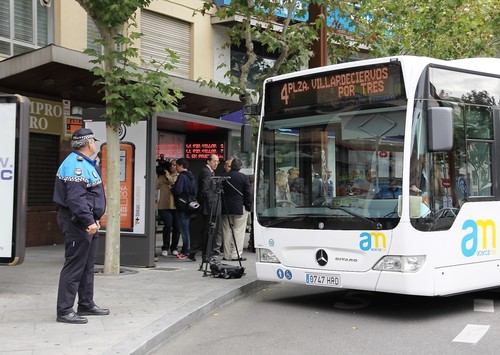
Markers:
{"x": 92, "y": 36}
{"x": 161, "y": 32}
{"x": 25, "y": 25}
{"x": 264, "y": 60}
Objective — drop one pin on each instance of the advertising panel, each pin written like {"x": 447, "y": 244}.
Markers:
{"x": 14, "y": 135}
{"x": 7, "y": 166}
{"x": 132, "y": 173}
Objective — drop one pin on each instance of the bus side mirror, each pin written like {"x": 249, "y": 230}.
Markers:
{"x": 440, "y": 129}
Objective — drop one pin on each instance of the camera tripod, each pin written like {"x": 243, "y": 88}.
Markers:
{"x": 215, "y": 209}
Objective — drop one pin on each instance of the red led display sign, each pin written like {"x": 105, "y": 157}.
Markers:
{"x": 203, "y": 150}
{"x": 170, "y": 150}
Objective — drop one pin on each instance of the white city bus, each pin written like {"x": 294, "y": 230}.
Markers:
{"x": 398, "y": 184}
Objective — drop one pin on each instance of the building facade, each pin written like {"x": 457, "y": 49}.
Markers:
{"x": 41, "y": 57}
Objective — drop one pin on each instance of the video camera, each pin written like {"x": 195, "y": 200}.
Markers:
{"x": 162, "y": 165}
{"x": 220, "y": 178}
{"x": 217, "y": 181}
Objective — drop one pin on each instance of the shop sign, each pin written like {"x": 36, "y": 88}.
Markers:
{"x": 46, "y": 116}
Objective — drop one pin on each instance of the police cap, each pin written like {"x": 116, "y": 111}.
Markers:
{"x": 83, "y": 134}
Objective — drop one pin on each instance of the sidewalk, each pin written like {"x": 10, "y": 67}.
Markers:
{"x": 148, "y": 305}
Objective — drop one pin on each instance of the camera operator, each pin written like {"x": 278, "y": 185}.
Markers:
{"x": 217, "y": 246}
{"x": 236, "y": 206}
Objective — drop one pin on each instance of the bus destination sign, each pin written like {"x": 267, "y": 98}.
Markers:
{"x": 335, "y": 89}
{"x": 203, "y": 150}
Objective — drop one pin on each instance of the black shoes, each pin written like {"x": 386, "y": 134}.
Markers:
{"x": 76, "y": 318}
{"x": 192, "y": 257}
{"x": 72, "y": 318}
{"x": 94, "y": 311}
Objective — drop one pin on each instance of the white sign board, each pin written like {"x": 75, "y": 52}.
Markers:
{"x": 7, "y": 168}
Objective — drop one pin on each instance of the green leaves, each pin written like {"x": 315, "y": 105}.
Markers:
{"x": 133, "y": 88}
{"x": 282, "y": 37}
{"x": 445, "y": 29}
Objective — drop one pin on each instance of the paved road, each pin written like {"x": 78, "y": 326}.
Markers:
{"x": 293, "y": 319}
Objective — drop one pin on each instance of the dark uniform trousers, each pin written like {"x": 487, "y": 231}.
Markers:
{"x": 77, "y": 274}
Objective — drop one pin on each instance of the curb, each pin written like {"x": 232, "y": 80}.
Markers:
{"x": 151, "y": 336}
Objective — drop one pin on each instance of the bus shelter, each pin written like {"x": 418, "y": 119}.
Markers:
{"x": 140, "y": 147}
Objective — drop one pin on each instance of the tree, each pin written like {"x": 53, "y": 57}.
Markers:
{"x": 445, "y": 29}
{"x": 285, "y": 40}
{"x": 131, "y": 93}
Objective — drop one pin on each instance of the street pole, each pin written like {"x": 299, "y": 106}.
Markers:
{"x": 319, "y": 48}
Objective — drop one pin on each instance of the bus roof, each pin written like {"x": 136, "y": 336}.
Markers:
{"x": 487, "y": 65}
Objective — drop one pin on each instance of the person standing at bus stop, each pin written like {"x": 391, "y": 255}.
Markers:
{"x": 79, "y": 194}
{"x": 235, "y": 210}
{"x": 184, "y": 187}
{"x": 166, "y": 208}
{"x": 217, "y": 246}
{"x": 207, "y": 199}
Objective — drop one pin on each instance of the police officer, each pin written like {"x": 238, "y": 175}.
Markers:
{"x": 79, "y": 194}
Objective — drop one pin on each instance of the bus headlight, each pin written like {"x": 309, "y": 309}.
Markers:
{"x": 266, "y": 256}
{"x": 400, "y": 263}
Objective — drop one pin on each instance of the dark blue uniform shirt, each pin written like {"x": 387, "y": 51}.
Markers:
{"x": 79, "y": 188}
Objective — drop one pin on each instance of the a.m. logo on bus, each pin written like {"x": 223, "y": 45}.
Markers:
{"x": 480, "y": 231}
{"x": 374, "y": 241}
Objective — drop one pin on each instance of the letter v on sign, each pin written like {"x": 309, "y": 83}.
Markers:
{"x": 4, "y": 162}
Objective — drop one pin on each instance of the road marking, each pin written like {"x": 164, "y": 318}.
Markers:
{"x": 481, "y": 305}
{"x": 472, "y": 333}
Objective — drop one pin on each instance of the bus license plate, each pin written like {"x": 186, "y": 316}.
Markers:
{"x": 323, "y": 280}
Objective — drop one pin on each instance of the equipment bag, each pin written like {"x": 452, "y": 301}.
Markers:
{"x": 226, "y": 271}
{"x": 188, "y": 205}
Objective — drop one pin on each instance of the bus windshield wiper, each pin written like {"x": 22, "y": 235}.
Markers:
{"x": 284, "y": 220}
{"x": 377, "y": 225}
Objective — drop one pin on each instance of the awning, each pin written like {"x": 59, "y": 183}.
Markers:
{"x": 55, "y": 72}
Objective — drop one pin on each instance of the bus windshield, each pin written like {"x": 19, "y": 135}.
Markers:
{"x": 333, "y": 161}
{"x": 338, "y": 168}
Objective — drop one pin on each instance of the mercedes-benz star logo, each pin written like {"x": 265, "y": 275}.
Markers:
{"x": 321, "y": 257}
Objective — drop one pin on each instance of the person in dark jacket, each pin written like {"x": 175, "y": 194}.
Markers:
{"x": 236, "y": 207}
{"x": 79, "y": 195}
{"x": 217, "y": 241}
{"x": 207, "y": 199}
{"x": 184, "y": 187}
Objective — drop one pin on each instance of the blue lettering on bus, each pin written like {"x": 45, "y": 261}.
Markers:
{"x": 280, "y": 273}
{"x": 481, "y": 239}
{"x": 372, "y": 241}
